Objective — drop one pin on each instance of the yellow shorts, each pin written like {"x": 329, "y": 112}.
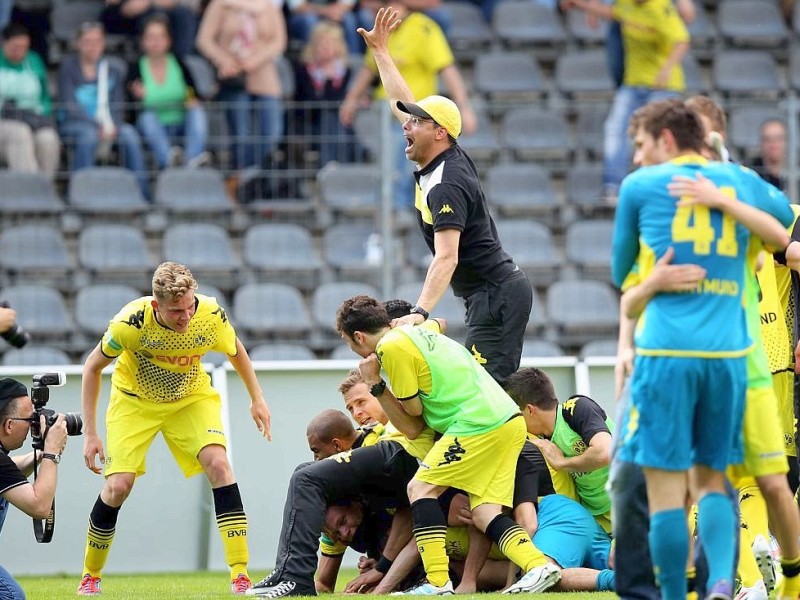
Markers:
{"x": 763, "y": 437}
{"x": 783, "y": 384}
{"x": 604, "y": 520}
{"x": 482, "y": 465}
{"x": 188, "y": 426}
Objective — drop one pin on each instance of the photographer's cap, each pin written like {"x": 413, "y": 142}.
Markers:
{"x": 442, "y": 110}
{"x": 11, "y": 389}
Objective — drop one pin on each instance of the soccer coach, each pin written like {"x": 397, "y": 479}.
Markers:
{"x": 455, "y": 221}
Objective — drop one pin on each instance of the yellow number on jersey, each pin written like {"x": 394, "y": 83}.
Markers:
{"x": 693, "y": 224}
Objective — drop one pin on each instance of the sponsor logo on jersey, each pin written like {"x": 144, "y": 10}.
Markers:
{"x": 453, "y": 453}
{"x": 446, "y": 209}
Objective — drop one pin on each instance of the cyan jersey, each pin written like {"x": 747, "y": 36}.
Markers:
{"x": 708, "y": 321}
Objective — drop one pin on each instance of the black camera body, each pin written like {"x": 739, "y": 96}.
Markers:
{"x": 40, "y": 395}
{"x": 16, "y": 335}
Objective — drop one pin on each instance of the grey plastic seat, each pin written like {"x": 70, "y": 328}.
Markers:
{"x": 589, "y": 128}
{"x": 35, "y": 355}
{"x": 449, "y": 307}
{"x": 531, "y": 246}
{"x": 468, "y": 29}
{"x": 66, "y": 17}
{"x": 417, "y": 251}
{"x": 40, "y": 310}
{"x": 273, "y": 309}
{"x": 278, "y": 351}
{"x": 110, "y": 249}
{"x": 523, "y": 22}
{"x": 793, "y": 71}
{"x": 350, "y": 188}
{"x": 213, "y": 292}
{"x": 282, "y": 249}
{"x": 504, "y": 73}
{"x": 342, "y": 352}
{"x": 541, "y": 348}
{"x": 27, "y": 193}
{"x": 701, "y": 30}
{"x": 106, "y": 190}
{"x": 745, "y": 122}
{"x": 521, "y": 188}
{"x": 200, "y": 245}
{"x": 537, "y": 320}
{"x": 205, "y": 79}
{"x": 34, "y": 249}
{"x": 582, "y": 310}
{"x": 329, "y": 296}
{"x": 584, "y": 72}
{"x": 588, "y": 247}
{"x": 345, "y": 248}
{"x": 752, "y": 72}
{"x": 584, "y": 184}
{"x": 692, "y": 75}
{"x": 185, "y": 190}
{"x": 96, "y": 305}
{"x": 482, "y": 145}
{"x": 366, "y": 125}
{"x": 600, "y": 348}
{"x": 537, "y": 133}
{"x": 578, "y": 27}
{"x": 751, "y": 22}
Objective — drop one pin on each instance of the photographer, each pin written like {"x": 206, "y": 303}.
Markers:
{"x": 16, "y": 411}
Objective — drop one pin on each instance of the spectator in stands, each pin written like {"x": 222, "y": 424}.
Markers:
{"x": 91, "y": 90}
{"x": 304, "y": 15}
{"x": 771, "y": 164}
{"x": 322, "y": 77}
{"x": 127, "y": 17}
{"x": 422, "y": 54}
{"x": 243, "y": 39}
{"x": 170, "y": 108}
{"x": 655, "y": 41}
{"x": 28, "y": 139}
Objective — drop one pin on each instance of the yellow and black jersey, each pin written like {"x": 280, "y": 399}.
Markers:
{"x": 159, "y": 364}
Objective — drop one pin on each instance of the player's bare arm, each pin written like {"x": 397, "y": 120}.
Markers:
{"x": 90, "y": 391}
{"x": 258, "y": 406}
{"x": 704, "y": 192}
{"x": 596, "y": 456}
{"x": 399, "y": 414}
{"x": 377, "y": 40}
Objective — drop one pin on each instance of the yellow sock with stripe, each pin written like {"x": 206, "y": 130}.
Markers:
{"x": 232, "y": 525}
{"x": 102, "y": 524}
{"x": 515, "y": 543}
{"x": 430, "y": 531}
{"x": 691, "y": 583}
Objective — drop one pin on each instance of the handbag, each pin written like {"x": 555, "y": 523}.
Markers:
{"x": 11, "y": 112}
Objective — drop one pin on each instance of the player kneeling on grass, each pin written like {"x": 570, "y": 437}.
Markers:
{"x": 159, "y": 385}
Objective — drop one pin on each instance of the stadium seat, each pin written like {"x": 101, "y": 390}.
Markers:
{"x": 36, "y": 355}
{"x": 272, "y": 309}
{"x": 366, "y": 125}
{"x": 701, "y": 30}
{"x": 584, "y": 185}
{"x": 751, "y": 23}
{"x": 449, "y": 307}
{"x": 327, "y": 298}
{"x": 535, "y": 133}
{"x": 286, "y": 74}
{"x": 523, "y": 22}
{"x": 36, "y": 253}
{"x": 744, "y": 124}
{"x": 27, "y": 194}
{"x": 500, "y": 74}
{"x": 350, "y": 188}
{"x": 541, "y": 349}
{"x": 582, "y": 310}
{"x": 600, "y": 348}
{"x": 213, "y": 292}
{"x": 278, "y": 351}
{"x": 342, "y": 352}
{"x": 40, "y": 310}
{"x": 588, "y": 247}
{"x": 469, "y": 31}
{"x": 205, "y": 78}
{"x": 282, "y": 251}
{"x": 531, "y": 246}
{"x": 537, "y": 320}
{"x": 746, "y": 72}
{"x": 522, "y": 189}
{"x": 578, "y": 27}
{"x": 96, "y": 305}
{"x": 794, "y": 68}
{"x": 116, "y": 253}
{"x": 66, "y": 17}
{"x": 106, "y": 190}
{"x": 192, "y": 191}
{"x": 693, "y": 75}
{"x": 589, "y": 128}
{"x": 482, "y": 145}
{"x": 345, "y": 248}
{"x": 205, "y": 248}
{"x": 584, "y": 73}
{"x": 417, "y": 251}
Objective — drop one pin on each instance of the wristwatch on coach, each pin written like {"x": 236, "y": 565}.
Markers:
{"x": 418, "y": 310}
{"x": 377, "y": 389}
{"x": 56, "y": 458}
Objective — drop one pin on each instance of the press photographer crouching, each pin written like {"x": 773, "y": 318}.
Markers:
{"x": 34, "y": 499}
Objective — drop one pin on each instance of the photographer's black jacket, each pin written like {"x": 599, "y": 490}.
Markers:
{"x": 10, "y": 477}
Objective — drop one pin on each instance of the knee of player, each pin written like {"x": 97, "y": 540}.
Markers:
{"x": 118, "y": 488}
{"x": 774, "y": 486}
{"x": 219, "y": 471}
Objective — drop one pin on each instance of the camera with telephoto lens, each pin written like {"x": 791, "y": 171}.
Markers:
{"x": 40, "y": 394}
{"x": 16, "y": 335}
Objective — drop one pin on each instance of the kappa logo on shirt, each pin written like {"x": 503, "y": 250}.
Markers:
{"x": 446, "y": 209}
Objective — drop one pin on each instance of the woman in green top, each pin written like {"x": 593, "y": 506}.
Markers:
{"x": 171, "y": 110}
